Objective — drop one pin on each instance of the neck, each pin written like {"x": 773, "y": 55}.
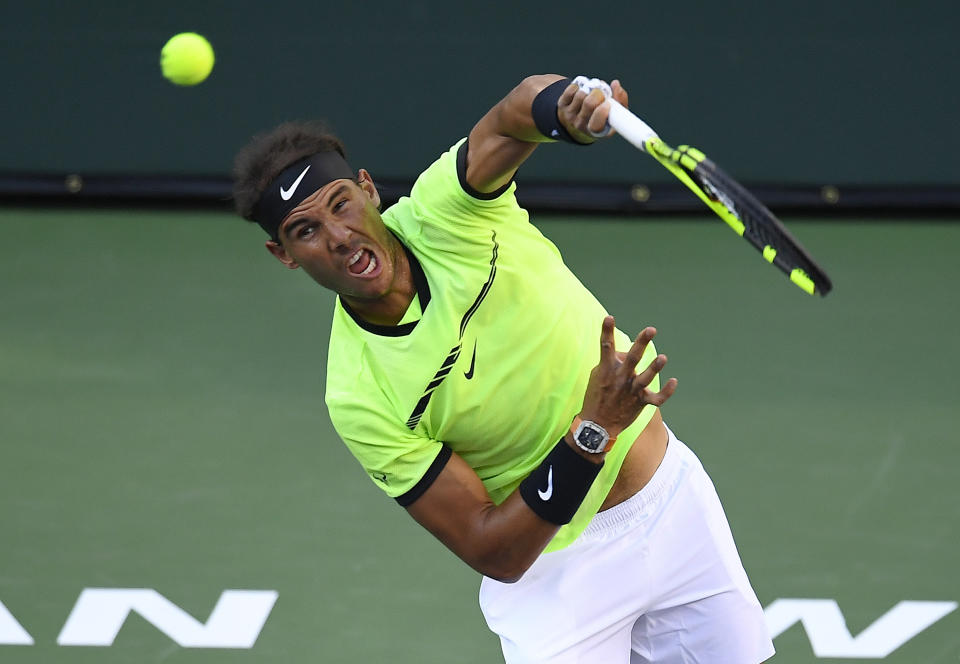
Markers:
{"x": 389, "y": 308}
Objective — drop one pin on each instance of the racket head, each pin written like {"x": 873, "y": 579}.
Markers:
{"x": 744, "y": 213}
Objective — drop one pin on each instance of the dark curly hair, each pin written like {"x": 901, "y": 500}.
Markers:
{"x": 267, "y": 155}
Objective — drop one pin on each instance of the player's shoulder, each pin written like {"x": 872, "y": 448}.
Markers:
{"x": 440, "y": 177}
{"x": 446, "y": 178}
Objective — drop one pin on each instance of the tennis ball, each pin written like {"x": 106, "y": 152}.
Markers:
{"x": 186, "y": 59}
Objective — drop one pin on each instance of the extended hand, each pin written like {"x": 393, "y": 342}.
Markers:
{"x": 615, "y": 392}
{"x": 585, "y": 115}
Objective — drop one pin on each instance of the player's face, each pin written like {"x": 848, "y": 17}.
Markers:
{"x": 338, "y": 237}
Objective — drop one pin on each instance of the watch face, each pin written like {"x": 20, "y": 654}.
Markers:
{"x": 591, "y": 437}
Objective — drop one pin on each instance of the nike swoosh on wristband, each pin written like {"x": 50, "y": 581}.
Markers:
{"x": 286, "y": 194}
{"x": 545, "y": 495}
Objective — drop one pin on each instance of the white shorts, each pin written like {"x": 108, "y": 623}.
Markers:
{"x": 654, "y": 579}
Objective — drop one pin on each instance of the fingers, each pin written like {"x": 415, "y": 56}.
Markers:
{"x": 573, "y": 99}
{"x": 659, "y": 398}
{"x": 646, "y": 376}
{"x": 668, "y": 389}
{"x": 636, "y": 351}
{"x": 570, "y": 104}
{"x": 608, "y": 350}
{"x": 593, "y": 112}
{"x": 620, "y": 94}
{"x": 642, "y": 380}
{"x": 569, "y": 96}
{"x": 625, "y": 364}
{"x": 598, "y": 123}
{"x": 583, "y": 112}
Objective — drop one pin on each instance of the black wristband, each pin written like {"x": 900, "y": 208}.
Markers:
{"x": 555, "y": 488}
{"x": 544, "y": 112}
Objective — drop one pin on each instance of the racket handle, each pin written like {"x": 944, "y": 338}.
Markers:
{"x": 628, "y": 125}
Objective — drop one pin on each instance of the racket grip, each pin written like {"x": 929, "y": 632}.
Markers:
{"x": 633, "y": 129}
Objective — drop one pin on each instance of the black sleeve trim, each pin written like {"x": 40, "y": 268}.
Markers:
{"x": 420, "y": 488}
{"x": 462, "y": 176}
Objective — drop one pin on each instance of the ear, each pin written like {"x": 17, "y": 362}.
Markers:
{"x": 366, "y": 183}
{"x": 281, "y": 254}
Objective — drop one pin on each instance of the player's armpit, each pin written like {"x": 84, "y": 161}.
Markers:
{"x": 499, "y": 541}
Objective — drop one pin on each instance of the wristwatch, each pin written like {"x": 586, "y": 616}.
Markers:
{"x": 590, "y": 436}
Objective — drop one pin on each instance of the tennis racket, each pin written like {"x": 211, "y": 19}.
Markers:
{"x": 746, "y": 215}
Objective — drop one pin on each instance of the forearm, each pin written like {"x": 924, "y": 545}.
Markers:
{"x": 520, "y": 528}
{"x": 499, "y": 541}
{"x": 506, "y": 136}
{"x": 502, "y": 541}
{"x": 507, "y": 539}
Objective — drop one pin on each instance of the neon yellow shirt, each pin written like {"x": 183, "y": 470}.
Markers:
{"x": 497, "y": 364}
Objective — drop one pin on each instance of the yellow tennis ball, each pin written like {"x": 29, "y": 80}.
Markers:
{"x": 186, "y": 59}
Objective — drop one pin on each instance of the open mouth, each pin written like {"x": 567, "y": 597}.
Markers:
{"x": 362, "y": 263}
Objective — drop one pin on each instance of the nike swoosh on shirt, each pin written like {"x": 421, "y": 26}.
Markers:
{"x": 469, "y": 373}
{"x": 286, "y": 194}
{"x": 545, "y": 495}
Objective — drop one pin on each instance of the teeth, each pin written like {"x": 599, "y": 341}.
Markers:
{"x": 355, "y": 257}
{"x": 371, "y": 267}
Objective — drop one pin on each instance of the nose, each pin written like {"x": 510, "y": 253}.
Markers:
{"x": 338, "y": 237}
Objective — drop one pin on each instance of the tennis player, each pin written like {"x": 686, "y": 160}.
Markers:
{"x": 487, "y": 391}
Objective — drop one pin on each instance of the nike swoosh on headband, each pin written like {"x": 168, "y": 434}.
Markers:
{"x": 286, "y": 194}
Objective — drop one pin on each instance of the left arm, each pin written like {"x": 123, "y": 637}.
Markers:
{"x": 503, "y": 138}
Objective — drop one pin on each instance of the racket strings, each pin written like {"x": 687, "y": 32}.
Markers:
{"x": 761, "y": 228}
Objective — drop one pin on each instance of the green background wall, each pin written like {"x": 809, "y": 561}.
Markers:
{"x": 803, "y": 92}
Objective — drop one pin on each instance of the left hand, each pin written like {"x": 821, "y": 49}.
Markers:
{"x": 582, "y": 113}
{"x": 615, "y": 392}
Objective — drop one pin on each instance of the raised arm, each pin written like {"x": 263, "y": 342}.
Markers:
{"x": 503, "y": 138}
{"x": 502, "y": 541}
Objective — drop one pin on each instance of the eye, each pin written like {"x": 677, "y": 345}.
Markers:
{"x": 306, "y": 230}
{"x": 339, "y": 204}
